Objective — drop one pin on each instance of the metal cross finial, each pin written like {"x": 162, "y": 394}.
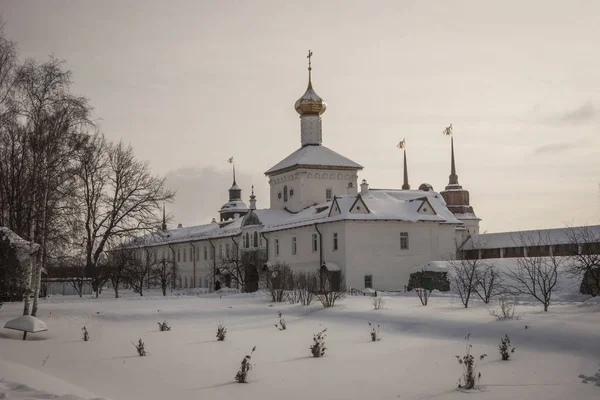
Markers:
{"x": 310, "y": 53}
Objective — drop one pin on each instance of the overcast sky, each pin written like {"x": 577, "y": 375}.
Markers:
{"x": 190, "y": 83}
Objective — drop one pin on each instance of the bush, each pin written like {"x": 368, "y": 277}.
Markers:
{"x": 505, "y": 348}
{"x": 506, "y": 309}
{"x": 424, "y": 295}
{"x": 378, "y": 303}
{"x": 221, "y": 332}
{"x": 318, "y": 348}
{"x": 374, "y": 333}
{"x": 242, "y": 374}
{"x": 281, "y": 325}
{"x": 280, "y": 279}
{"x": 163, "y": 326}
{"x": 86, "y": 335}
{"x": 469, "y": 364}
{"x": 333, "y": 287}
{"x": 140, "y": 348}
{"x": 306, "y": 285}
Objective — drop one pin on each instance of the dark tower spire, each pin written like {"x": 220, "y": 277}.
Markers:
{"x": 453, "y": 178}
{"x": 164, "y": 222}
{"x": 405, "y": 186}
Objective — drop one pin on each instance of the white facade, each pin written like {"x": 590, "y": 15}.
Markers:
{"x": 301, "y": 188}
{"x": 318, "y": 217}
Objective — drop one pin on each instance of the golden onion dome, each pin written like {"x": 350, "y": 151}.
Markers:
{"x": 310, "y": 102}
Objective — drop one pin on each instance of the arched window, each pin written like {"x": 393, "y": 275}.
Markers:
{"x": 255, "y": 239}
{"x": 246, "y": 240}
{"x": 285, "y": 194}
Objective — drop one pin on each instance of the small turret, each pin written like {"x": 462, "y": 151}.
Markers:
{"x": 252, "y": 200}
{"x": 364, "y": 187}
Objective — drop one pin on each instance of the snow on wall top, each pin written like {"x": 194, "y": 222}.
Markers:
{"x": 526, "y": 238}
{"x": 314, "y": 156}
{"x": 394, "y": 205}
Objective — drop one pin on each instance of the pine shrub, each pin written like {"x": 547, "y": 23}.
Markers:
{"x": 318, "y": 348}
{"x": 242, "y": 374}
{"x": 86, "y": 335}
{"x": 163, "y": 326}
{"x": 469, "y": 363}
{"x": 374, "y": 333}
{"x": 140, "y": 348}
{"x": 221, "y": 332}
{"x": 505, "y": 348}
{"x": 281, "y": 325}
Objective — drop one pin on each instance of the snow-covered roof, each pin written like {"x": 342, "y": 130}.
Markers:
{"x": 234, "y": 205}
{"x": 331, "y": 266}
{"x": 313, "y": 156}
{"x": 26, "y": 323}
{"x": 433, "y": 266}
{"x": 382, "y": 205}
{"x": 529, "y": 238}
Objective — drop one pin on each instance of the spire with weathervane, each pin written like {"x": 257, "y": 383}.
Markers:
{"x": 235, "y": 193}
{"x": 457, "y": 198}
{"x": 402, "y": 145}
{"x": 310, "y": 107}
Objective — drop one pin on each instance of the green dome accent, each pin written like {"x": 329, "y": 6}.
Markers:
{"x": 251, "y": 219}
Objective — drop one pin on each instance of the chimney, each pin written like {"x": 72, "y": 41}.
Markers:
{"x": 364, "y": 187}
{"x": 180, "y": 226}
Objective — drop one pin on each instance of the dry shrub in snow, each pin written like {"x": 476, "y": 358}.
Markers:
{"x": 374, "y": 333}
{"x": 378, "y": 303}
{"x": 305, "y": 286}
{"x": 86, "y": 335}
{"x": 318, "y": 348}
{"x": 140, "y": 348}
{"x": 280, "y": 278}
{"x": 424, "y": 295}
{"x": 242, "y": 374}
{"x": 505, "y": 348}
{"x": 469, "y": 363}
{"x": 221, "y": 332}
{"x": 164, "y": 326}
{"x": 281, "y": 325}
{"x": 506, "y": 309}
{"x": 332, "y": 287}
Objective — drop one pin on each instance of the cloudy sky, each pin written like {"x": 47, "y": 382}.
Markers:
{"x": 190, "y": 83}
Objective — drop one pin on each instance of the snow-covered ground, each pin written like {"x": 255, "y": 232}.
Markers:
{"x": 414, "y": 360}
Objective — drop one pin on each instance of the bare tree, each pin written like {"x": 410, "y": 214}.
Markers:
{"x": 140, "y": 270}
{"x": 488, "y": 282}
{"x": 463, "y": 277}
{"x": 536, "y": 275}
{"x": 121, "y": 198}
{"x": 278, "y": 281}
{"x": 166, "y": 272}
{"x": 116, "y": 266}
{"x": 585, "y": 258}
{"x": 332, "y": 287}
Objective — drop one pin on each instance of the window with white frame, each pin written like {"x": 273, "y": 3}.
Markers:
{"x": 294, "y": 245}
{"x": 221, "y": 250}
{"x": 328, "y": 194}
{"x": 179, "y": 256}
{"x": 197, "y": 251}
{"x": 255, "y": 237}
{"x": 205, "y": 252}
{"x": 227, "y": 250}
{"x": 335, "y": 241}
{"x": 276, "y": 247}
{"x": 404, "y": 240}
{"x": 368, "y": 281}
{"x": 315, "y": 243}
{"x": 212, "y": 252}
{"x": 184, "y": 254}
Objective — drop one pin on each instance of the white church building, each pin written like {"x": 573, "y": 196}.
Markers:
{"x": 321, "y": 217}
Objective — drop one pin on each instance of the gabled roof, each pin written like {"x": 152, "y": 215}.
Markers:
{"x": 314, "y": 157}
{"x": 382, "y": 205}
